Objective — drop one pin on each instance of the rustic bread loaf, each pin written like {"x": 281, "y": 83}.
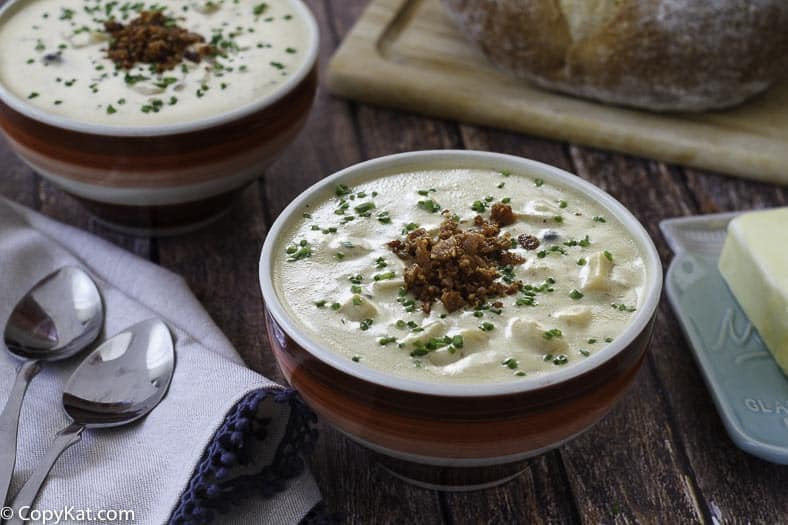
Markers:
{"x": 687, "y": 55}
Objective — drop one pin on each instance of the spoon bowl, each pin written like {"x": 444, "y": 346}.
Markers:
{"x": 124, "y": 379}
{"x": 58, "y": 318}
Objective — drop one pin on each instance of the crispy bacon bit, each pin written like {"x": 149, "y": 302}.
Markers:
{"x": 458, "y": 267}
{"x": 502, "y": 214}
{"x": 529, "y": 242}
{"x": 152, "y": 38}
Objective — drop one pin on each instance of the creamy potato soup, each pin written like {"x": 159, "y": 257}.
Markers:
{"x": 106, "y": 62}
{"x": 464, "y": 276}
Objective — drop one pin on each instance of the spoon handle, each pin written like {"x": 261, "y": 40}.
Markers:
{"x": 9, "y": 425}
{"x": 27, "y": 496}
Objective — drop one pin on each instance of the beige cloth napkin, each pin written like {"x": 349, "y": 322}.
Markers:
{"x": 149, "y": 467}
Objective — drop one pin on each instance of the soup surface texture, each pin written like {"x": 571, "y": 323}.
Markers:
{"x": 55, "y": 56}
{"x": 491, "y": 276}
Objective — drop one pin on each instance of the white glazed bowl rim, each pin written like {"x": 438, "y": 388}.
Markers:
{"x": 69, "y": 124}
{"x": 459, "y": 159}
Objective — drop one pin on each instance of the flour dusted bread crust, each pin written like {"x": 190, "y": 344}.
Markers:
{"x": 664, "y": 55}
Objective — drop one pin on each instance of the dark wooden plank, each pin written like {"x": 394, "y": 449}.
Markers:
{"x": 717, "y": 193}
{"x": 347, "y": 474}
{"x": 540, "y": 495}
{"x": 17, "y": 181}
{"x": 329, "y": 141}
{"x": 219, "y": 263}
{"x": 54, "y": 203}
{"x": 543, "y": 150}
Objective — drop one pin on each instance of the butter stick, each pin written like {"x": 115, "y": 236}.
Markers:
{"x": 754, "y": 263}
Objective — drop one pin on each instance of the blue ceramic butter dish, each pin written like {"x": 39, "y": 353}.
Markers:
{"x": 748, "y": 387}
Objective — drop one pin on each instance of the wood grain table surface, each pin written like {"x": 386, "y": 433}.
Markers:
{"x": 661, "y": 456}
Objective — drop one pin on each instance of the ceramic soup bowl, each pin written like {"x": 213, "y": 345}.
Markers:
{"x": 166, "y": 177}
{"x": 458, "y": 436}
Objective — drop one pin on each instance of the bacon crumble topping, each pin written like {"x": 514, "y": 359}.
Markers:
{"x": 152, "y": 38}
{"x": 459, "y": 267}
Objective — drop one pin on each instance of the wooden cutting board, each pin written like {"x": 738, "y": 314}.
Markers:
{"x": 407, "y": 54}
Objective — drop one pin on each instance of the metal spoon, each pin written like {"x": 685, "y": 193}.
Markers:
{"x": 121, "y": 381}
{"x": 60, "y": 316}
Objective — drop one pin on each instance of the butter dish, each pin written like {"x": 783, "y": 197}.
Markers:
{"x": 747, "y": 386}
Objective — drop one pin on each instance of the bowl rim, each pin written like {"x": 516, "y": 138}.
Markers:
{"x": 453, "y": 159}
{"x": 70, "y": 124}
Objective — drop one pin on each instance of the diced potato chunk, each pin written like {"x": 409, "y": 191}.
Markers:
{"x": 534, "y": 336}
{"x": 87, "y": 38}
{"x": 595, "y": 275}
{"x": 431, "y": 330}
{"x": 539, "y": 209}
{"x": 359, "y": 307}
{"x": 470, "y": 362}
{"x": 473, "y": 338}
{"x": 350, "y": 247}
{"x": 576, "y": 315}
{"x": 388, "y": 285}
{"x": 445, "y": 356}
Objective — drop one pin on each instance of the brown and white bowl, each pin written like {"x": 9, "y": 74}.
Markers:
{"x": 458, "y": 436}
{"x": 163, "y": 178}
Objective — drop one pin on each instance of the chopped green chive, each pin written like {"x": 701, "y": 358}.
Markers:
{"x": 429, "y": 205}
{"x": 364, "y": 208}
{"x": 510, "y": 363}
{"x": 550, "y": 334}
{"x": 622, "y": 307}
